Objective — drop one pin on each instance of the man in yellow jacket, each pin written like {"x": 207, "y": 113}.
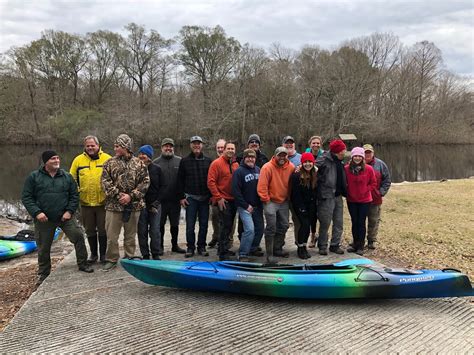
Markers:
{"x": 86, "y": 169}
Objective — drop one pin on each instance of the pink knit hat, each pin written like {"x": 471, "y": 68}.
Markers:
{"x": 358, "y": 151}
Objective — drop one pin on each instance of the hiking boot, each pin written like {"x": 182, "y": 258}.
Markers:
{"x": 257, "y": 252}
{"x": 92, "y": 259}
{"x": 86, "y": 268}
{"x": 336, "y": 250}
{"x": 109, "y": 265}
{"x": 177, "y": 249}
{"x": 202, "y": 251}
{"x": 306, "y": 253}
{"x": 323, "y": 252}
{"x": 351, "y": 249}
{"x": 301, "y": 253}
{"x": 189, "y": 253}
{"x": 371, "y": 245}
{"x": 360, "y": 252}
{"x": 281, "y": 253}
{"x": 212, "y": 244}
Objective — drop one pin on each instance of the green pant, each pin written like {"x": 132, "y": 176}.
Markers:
{"x": 44, "y": 234}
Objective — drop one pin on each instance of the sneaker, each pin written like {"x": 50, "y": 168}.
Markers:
{"x": 371, "y": 245}
{"x": 281, "y": 253}
{"x": 86, "y": 268}
{"x": 323, "y": 252}
{"x": 92, "y": 259}
{"x": 336, "y": 250}
{"x": 202, "y": 251}
{"x": 109, "y": 265}
{"x": 189, "y": 253}
{"x": 177, "y": 249}
{"x": 257, "y": 252}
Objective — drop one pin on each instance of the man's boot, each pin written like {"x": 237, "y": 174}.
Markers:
{"x": 93, "y": 247}
{"x": 102, "y": 247}
{"x": 175, "y": 247}
{"x": 300, "y": 252}
{"x": 269, "y": 250}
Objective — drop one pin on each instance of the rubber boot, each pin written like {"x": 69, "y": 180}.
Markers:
{"x": 93, "y": 248}
{"x": 269, "y": 250}
{"x": 102, "y": 247}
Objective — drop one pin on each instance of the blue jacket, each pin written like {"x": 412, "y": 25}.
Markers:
{"x": 244, "y": 186}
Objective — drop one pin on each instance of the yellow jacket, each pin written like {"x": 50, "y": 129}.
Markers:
{"x": 87, "y": 173}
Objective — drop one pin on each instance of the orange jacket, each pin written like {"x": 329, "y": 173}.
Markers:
{"x": 274, "y": 181}
{"x": 219, "y": 179}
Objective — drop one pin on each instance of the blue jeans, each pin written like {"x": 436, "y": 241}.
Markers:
{"x": 252, "y": 230}
{"x": 149, "y": 225}
{"x": 193, "y": 211}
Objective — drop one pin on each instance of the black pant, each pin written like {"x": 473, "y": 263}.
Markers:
{"x": 171, "y": 210}
{"x": 306, "y": 219}
{"x": 358, "y": 212}
{"x": 226, "y": 221}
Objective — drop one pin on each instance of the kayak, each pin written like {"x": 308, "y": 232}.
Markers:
{"x": 354, "y": 278}
{"x": 20, "y": 244}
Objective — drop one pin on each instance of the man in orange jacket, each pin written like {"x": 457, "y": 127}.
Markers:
{"x": 274, "y": 191}
{"x": 219, "y": 182}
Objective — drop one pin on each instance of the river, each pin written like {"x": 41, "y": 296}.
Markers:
{"x": 406, "y": 163}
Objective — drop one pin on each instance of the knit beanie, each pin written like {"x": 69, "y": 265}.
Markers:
{"x": 147, "y": 150}
{"x": 124, "y": 141}
{"x": 337, "y": 146}
{"x": 358, "y": 151}
{"x": 253, "y": 137}
{"x": 307, "y": 157}
{"x": 48, "y": 154}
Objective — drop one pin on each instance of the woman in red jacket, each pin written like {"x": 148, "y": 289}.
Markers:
{"x": 360, "y": 183}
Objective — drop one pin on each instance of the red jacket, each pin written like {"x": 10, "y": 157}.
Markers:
{"x": 219, "y": 179}
{"x": 359, "y": 187}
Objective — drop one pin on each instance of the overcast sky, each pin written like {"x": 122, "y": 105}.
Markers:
{"x": 293, "y": 23}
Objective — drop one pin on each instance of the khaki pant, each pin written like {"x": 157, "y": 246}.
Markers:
{"x": 374, "y": 221}
{"x": 113, "y": 226}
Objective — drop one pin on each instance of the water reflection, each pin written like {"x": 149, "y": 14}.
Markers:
{"x": 407, "y": 163}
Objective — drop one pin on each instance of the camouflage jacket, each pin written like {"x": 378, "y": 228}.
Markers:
{"x": 128, "y": 175}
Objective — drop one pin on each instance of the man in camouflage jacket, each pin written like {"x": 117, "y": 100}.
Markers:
{"x": 125, "y": 181}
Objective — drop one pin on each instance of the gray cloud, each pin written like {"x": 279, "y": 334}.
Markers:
{"x": 293, "y": 24}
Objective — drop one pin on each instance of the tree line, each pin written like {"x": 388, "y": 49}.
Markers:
{"x": 64, "y": 86}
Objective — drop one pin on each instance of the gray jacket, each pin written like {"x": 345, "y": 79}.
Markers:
{"x": 169, "y": 169}
{"x": 327, "y": 176}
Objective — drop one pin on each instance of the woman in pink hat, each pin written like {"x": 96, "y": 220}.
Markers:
{"x": 360, "y": 183}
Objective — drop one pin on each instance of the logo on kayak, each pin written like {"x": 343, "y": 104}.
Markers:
{"x": 416, "y": 279}
{"x": 259, "y": 277}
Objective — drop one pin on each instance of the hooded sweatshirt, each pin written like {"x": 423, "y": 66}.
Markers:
{"x": 244, "y": 186}
{"x": 274, "y": 181}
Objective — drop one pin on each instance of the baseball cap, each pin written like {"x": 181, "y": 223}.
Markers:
{"x": 196, "y": 139}
{"x": 167, "y": 141}
{"x": 280, "y": 150}
{"x": 288, "y": 138}
{"x": 368, "y": 147}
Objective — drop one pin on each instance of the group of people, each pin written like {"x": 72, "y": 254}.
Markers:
{"x": 140, "y": 194}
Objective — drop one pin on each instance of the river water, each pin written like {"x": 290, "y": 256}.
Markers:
{"x": 406, "y": 163}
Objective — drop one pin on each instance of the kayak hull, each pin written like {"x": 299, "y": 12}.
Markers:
{"x": 301, "y": 281}
{"x": 11, "y": 248}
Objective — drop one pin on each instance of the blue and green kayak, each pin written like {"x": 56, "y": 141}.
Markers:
{"x": 354, "y": 278}
{"x": 20, "y": 244}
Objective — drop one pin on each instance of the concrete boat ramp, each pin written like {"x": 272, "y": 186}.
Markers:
{"x": 112, "y": 312}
